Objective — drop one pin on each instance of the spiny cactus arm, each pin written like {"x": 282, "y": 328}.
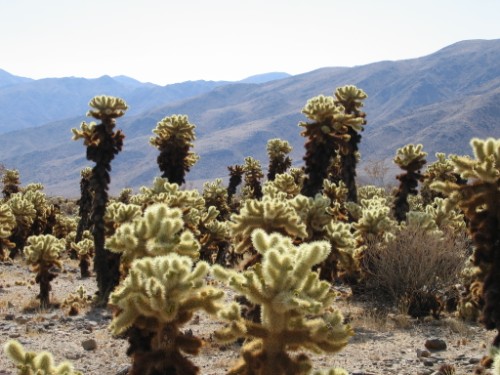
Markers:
{"x": 86, "y": 132}
{"x": 320, "y": 108}
{"x": 175, "y": 127}
{"x": 350, "y": 97}
{"x": 7, "y": 221}
{"x": 29, "y": 363}
{"x": 44, "y": 249}
{"x": 410, "y": 155}
{"x": 106, "y": 107}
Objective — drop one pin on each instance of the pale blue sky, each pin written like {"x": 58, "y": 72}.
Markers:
{"x": 174, "y": 41}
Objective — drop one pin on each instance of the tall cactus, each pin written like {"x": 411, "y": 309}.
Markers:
{"x": 103, "y": 144}
{"x": 43, "y": 254}
{"x": 84, "y": 203}
{"x": 351, "y": 98}
{"x": 411, "y": 159}
{"x": 174, "y": 138}
{"x": 279, "y": 161}
{"x": 480, "y": 201}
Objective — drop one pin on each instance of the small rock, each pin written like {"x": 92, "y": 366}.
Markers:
{"x": 73, "y": 355}
{"x": 14, "y": 335}
{"x": 423, "y": 353}
{"x": 435, "y": 344}
{"x": 9, "y": 317}
{"x": 89, "y": 344}
{"x": 22, "y": 320}
{"x": 474, "y": 361}
{"x": 429, "y": 362}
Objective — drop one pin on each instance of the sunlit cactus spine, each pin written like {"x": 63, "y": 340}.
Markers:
{"x": 174, "y": 138}
{"x": 216, "y": 195}
{"x": 32, "y": 363}
{"x": 480, "y": 201}
{"x": 279, "y": 161}
{"x": 103, "y": 144}
{"x": 157, "y": 298}
{"x": 43, "y": 253}
{"x": 84, "y": 250}
{"x": 410, "y": 159}
{"x": 351, "y": 98}
{"x": 293, "y": 305}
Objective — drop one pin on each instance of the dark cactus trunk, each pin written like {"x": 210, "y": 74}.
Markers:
{"x": 278, "y": 166}
{"x": 171, "y": 162}
{"x": 318, "y": 157}
{"x": 85, "y": 210}
{"x": 44, "y": 277}
{"x": 106, "y": 263}
{"x": 349, "y": 162}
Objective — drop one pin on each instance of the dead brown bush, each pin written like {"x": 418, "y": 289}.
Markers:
{"x": 413, "y": 264}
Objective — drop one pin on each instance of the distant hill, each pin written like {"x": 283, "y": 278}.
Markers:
{"x": 440, "y": 100}
{"x": 266, "y": 77}
{"x": 7, "y": 79}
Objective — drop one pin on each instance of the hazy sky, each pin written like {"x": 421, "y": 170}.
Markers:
{"x": 165, "y": 41}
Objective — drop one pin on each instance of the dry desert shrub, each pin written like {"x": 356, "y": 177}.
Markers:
{"x": 415, "y": 267}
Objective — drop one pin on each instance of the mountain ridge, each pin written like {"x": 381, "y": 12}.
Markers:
{"x": 441, "y": 100}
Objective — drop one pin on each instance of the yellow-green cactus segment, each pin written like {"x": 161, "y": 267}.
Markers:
{"x": 270, "y": 214}
{"x": 87, "y": 133}
{"x": 343, "y": 243}
{"x": 120, "y": 213}
{"x": 175, "y": 127}
{"x": 7, "y": 221}
{"x": 285, "y": 183}
{"x": 375, "y": 222}
{"x": 34, "y": 186}
{"x": 22, "y": 209}
{"x": 350, "y": 95}
{"x": 320, "y": 108}
{"x": 313, "y": 213}
{"x": 423, "y": 220}
{"x": 32, "y": 363}
{"x": 162, "y": 288}
{"x": 106, "y": 107}
{"x": 292, "y": 298}
{"x": 84, "y": 247}
{"x": 10, "y": 176}
{"x": 159, "y": 232}
{"x": 277, "y": 147}
{"x": 44, "y": 249}
{"x": 409, "y": 154}
{"x": 445, "y": 215}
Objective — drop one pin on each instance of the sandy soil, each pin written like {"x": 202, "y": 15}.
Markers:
{"x": 383, "y": 344}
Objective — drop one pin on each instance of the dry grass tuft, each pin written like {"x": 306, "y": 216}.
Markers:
{"x": 415, "y": 267}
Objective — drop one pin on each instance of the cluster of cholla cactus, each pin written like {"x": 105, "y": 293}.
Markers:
{"x": 330, "y": 134}
{"x": 279, "y": 244}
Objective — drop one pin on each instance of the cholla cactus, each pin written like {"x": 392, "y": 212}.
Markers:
{"x": 337, "y": 193}
{"x": 174, "y": 138}
{"x": 190, "y": 202}
{"x": 236, "y": 173}
{"x": 294, "y": 306}
{"x": 269, "y": 214}
{"x": 32, "y": 363}
{"x": 279, "y": 162}
{"x": 76, "y": 301}
{"x": 43, "y": 253}
{"x": 118, "y": 213}
{"x": 440, "y": 170}
{"x": 124, "y": 196}
{"x": 342, "y": 260}
{"x": 327, "y": 134}
{"x": 84, "y": 250}
{"x": 313, "y": 213}
{"x": 351, "y": 98}
{"x": 25, "y": 214}
{"x": 253, "y": 175}
{"x": 158, "y": 296}
{"x": 480, "y": 201}
{"x": 10, "y": 182}
{"x": 159, "y": 232}
{"x": 103, "y": 144}
{"x": 216, "y": 195}
{"x": 84, "y": 203}
{"x": 411, "y": 159}
{"x": 285, "y": 183}
{"x": 7, "y": 224}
